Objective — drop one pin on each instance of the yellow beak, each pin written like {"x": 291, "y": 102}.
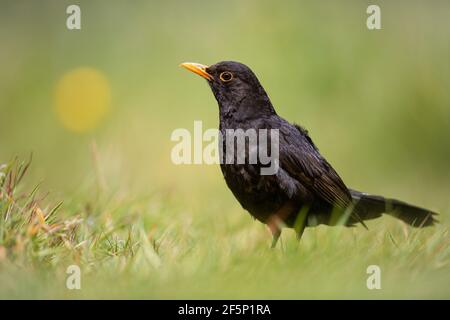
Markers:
{"x": 197, "y": 68}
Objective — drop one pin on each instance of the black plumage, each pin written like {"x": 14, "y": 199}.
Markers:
{"x": 306, "y": 190}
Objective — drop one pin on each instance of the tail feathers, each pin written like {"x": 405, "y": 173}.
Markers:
{"x": 371, "y": 206}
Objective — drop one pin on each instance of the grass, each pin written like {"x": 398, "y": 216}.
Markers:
{"x": 151, "y": 248}
{"x": 375, "y": 103}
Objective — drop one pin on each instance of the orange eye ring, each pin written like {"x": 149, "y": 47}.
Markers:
{"x": 226, "y": 76}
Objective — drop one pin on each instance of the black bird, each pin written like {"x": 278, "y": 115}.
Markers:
{"x": 306, "y": 190}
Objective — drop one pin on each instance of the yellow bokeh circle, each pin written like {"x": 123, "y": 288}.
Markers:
{"x": 82, "y": 99}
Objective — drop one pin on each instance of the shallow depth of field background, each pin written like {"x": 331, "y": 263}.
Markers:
{"x": 376, "y": 103}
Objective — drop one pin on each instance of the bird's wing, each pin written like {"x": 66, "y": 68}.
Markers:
{"x": 302, "y": 161}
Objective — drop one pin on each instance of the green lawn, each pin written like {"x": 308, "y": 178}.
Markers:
{"x": 110, "y": 200}
{"x": 153, "y": 248}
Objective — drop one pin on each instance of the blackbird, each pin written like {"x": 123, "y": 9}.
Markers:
{"x": 305, "y": 191}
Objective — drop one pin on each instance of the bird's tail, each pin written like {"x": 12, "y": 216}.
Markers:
{"x": 371, "y": 206}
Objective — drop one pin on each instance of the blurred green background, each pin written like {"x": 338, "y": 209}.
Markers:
{"x": 376, "y": 103}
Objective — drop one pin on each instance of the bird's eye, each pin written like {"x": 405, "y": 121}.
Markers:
{"x": 226, "y": 76}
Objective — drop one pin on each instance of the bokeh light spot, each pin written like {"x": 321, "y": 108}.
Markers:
{"x": 82, "y": 99}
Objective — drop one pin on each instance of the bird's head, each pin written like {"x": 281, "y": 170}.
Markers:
{"x": 235, "y": 87}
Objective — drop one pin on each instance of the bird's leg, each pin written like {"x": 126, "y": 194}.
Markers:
{"x": 300, "y": 232}
{"x": 275, "y": 224}
{"x": 276, "y": 221}
{"x": 276, "y": 235}
{"x": 300, "y": 221}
